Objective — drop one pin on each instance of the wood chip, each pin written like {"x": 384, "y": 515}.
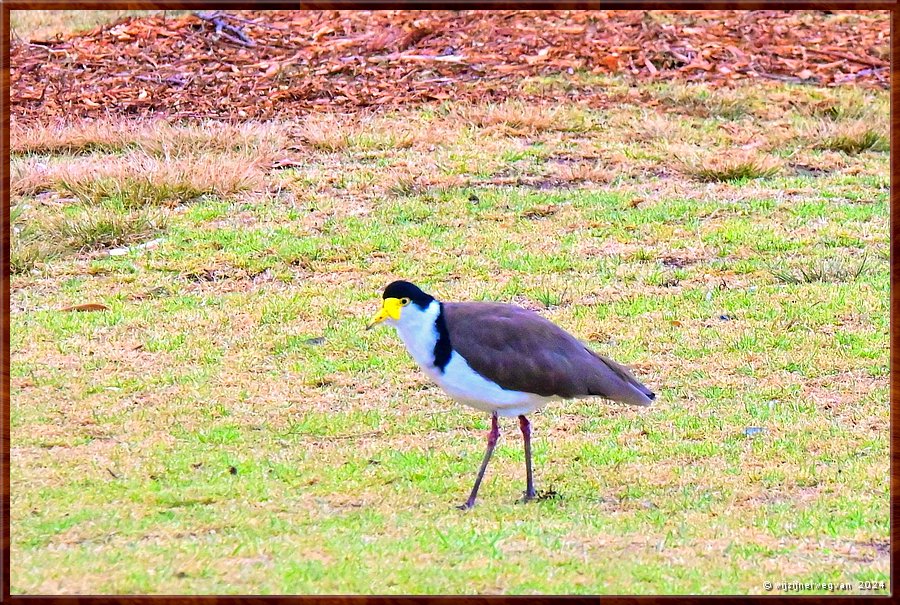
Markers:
{"x": 87, "y": 307}
{"x": 273, "y": 64}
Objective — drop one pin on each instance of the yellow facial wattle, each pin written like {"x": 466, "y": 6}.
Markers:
{"x": 390, "y": 309}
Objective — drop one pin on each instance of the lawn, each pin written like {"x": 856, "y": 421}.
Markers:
{"x": 224, "y": 425}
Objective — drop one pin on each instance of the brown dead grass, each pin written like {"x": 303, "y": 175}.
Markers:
{"x": 138, "y": 178}
{"x": 702, "y": 101}
{"x": 725, "y": 165}
{"x": 849, "y": 136}
{"x": 840, "y": 393}
{"x": 584, "y": 172}
{"x": 653, "y": 126}
{"x": 815, "y": 161}
{"x": 324, "y": 132}
{"x": 575, "y": 153}
{"x": 159, "y": 137}
{"x": 332, "y": 132}
{"x": 518, "y": 118}
{"x": 843, "y": 103}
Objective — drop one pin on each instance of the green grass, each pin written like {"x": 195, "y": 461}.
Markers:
{"x": 228, "y": 426}
{"x": 131, "y": 192}
{"x": 856, "y": 142}
{"x": 38, "y": 238}
{"x": 827, "y": 270}
{"x": 740, "y": 170}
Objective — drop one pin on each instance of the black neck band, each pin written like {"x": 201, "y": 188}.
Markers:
{"x": 442, "y": 348}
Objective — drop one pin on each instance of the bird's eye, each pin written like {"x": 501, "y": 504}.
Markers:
{"x": 404, "y": 301}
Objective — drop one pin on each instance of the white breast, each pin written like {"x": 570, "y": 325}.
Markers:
{"x": 418, "y": 332}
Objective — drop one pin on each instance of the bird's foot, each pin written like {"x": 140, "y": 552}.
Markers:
{"x": 465, "y": 505}
{"x": 528, "y": 496}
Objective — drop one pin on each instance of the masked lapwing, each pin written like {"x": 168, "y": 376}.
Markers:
{"x": 501, "y": 359}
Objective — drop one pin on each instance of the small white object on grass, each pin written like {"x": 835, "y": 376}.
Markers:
{"x": 126, "y": 249}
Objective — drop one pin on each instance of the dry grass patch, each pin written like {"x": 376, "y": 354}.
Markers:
{"x": 518, "y": 118}
{"x": 358, "y": 181}
{"x": 652, "y": 126}
{"x": 158, "y": 138}
{"x": 27, "y": 253}
{"x": 255, "y": 140}
{"x": 331, "y": 132}
{"x": 730, "y": 165}
{"x": 747, "y": 135}
{"x": 584, "y": 172}
{"x": 851, "y": 137}
{"x": 812, "y": 161}
{"x": 701, "y": 101}
{"x": 138, "y": 179}
{"x": 843, "y": 103}
{"x": 324, "y": 132}
{"x": 65, "y": 138}
{"x": 404, "y": 181}
{"x": 37, "y": 238}
{"x": 27, "y": 248}
{"x": 133, "y": 192}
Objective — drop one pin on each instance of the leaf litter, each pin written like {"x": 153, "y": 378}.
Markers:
{"x": 266, "y": 64}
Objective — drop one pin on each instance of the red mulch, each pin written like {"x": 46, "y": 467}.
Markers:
{"x": 263, "y": 64}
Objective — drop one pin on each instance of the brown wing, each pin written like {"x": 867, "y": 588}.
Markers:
{"x": 522, "y": 351}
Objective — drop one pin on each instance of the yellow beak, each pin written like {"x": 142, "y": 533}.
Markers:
{"x": 390, "y": 309}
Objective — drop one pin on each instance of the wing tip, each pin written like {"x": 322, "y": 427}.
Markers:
{"x": 645, "y": 398}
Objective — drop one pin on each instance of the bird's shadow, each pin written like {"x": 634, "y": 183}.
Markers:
{"x": 542, "y": 495}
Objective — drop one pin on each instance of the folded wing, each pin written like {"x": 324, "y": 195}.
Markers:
{"x": 522, "y": 351}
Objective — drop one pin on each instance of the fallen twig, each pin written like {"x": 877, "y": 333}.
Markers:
{"x": 47, "y": 48}
{"x": 779, "y": 77}
{"x": 258, "y": 24}
{"x": 229, "y": 32}
{"x": 871, "y": 61}
{"x": 156, "y": 80}
{"x": 403, "y": 57}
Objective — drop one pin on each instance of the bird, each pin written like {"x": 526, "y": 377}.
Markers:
{"x": 501, "y": 359}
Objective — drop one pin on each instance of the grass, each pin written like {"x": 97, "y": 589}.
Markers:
{"x": 40, "y": 237}
{"x": 47, "y": 24}
{"x": 704, "y": 102}
{"x": 137, "y": 179}
{"x": 107, "y": 226}
{"x": 856, "y": 141}
{"x": 827, "y": 270}
{"x": 27, "y": 247}
{"x": 227, "y": 425}
{"x": 729, "y": 167}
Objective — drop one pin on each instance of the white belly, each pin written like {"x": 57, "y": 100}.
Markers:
{"x": 467, "y": 386}
{"x": 458, "y": 379}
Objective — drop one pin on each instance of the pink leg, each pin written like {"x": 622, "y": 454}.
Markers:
{"x": 493, "y": 435}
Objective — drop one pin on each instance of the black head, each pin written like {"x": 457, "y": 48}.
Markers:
{"x": 403, "y": 289}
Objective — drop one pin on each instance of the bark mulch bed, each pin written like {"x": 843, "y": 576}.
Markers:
{"x": 264, "y": 64}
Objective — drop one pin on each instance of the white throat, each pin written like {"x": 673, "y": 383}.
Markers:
{"x": 417, "y": 329}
